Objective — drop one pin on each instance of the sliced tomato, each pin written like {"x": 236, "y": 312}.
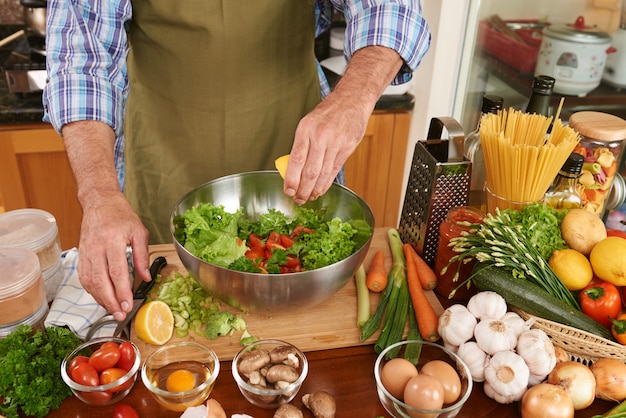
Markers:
{"x": 286, "y": 240}
{"x": 273, "y": 241}
{"x": 255, "y": 253}
{"x": 255, "y": 241}
{"x": 300, "y": 230}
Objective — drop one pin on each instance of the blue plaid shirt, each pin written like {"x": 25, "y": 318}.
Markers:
{"x": 86, "y": 49}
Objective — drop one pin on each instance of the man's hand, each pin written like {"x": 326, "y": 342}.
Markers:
{"x": 330, "y": 133}
{"x": 109, "y": 223}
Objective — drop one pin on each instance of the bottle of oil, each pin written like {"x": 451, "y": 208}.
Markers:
{"x": 474, "y": 152}
{"x": 539, "y": 101}
{"x": 563, "y": 194}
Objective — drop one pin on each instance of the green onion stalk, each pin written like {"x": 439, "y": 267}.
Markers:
{"x": 496, "y": 242}
{"x": 394, "y": 302}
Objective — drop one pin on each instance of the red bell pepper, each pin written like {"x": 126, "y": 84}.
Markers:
{"x": 601, "y": 301}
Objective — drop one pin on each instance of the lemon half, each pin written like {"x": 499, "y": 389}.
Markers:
{"x": 154, "y": 322}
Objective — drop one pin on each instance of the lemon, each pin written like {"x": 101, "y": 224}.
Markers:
{"x": 154, "y": 322}
{"x": 281, "y": 164}
{"x": 180, "y": 381}
{"x": 572, "y": 268}
{"x": 608, "y": 260}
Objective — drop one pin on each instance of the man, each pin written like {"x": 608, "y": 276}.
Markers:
{"x": 193, "y": 90}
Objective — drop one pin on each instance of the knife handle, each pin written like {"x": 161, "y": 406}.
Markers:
{"x": 144, "y": 287}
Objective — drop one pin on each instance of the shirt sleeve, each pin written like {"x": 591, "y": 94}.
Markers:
{"x": 86, "y": 49}
{"x": 396, "y": 24}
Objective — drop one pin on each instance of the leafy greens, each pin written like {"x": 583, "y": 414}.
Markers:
{"x": 212, "y": 234}
{"x": 30, "y": 370}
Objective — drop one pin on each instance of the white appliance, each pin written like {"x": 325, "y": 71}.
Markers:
{"x": 615, "y": 69}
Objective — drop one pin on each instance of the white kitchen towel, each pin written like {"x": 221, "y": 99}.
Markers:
{"x": 72, "y": 306}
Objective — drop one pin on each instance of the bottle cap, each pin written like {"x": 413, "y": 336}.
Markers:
{"x": 543, "y": 84}
{"x": 573, "y": 164}
{"x": 491, "y": 103}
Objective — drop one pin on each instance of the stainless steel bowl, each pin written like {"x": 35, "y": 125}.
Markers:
{"x": 256, "y": 193}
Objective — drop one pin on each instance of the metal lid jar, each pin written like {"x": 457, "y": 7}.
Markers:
{"x": 602, "y": 144}
{"x": 22, "y": 292}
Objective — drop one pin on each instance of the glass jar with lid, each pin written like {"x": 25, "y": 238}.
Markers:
{"x": 601, "y": 145}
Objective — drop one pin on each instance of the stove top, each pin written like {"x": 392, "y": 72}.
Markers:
{"x": 25, "y": 67}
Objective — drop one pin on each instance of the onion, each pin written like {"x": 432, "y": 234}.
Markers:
{"x": 547, "y": 401}
{"x": 577, "y": 380}
{"x": 561, "y": 354}
{"x": 610, "y": 375}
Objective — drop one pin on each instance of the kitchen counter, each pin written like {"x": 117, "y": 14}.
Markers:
{"x": 21, "y": 107}
{"x": 345, "y": 371}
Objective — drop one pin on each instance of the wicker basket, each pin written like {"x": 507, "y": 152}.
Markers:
{"x": 581, "y": 346}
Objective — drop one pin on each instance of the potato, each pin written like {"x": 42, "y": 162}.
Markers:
{"x": 582, "y": 230}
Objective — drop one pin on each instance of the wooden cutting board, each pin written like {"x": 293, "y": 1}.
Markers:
{"x": 329, "y": 325}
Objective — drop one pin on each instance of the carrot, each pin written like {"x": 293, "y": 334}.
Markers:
{"x": 427, "y": 319}
{"x": 377, "y": 275}
{"x": 426, "y": 275}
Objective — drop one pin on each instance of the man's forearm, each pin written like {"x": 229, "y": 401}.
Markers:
{"x": 368, "y": 74}
{"x": 89, "y": 146}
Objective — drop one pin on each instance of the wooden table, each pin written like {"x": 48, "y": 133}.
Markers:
{"x": 344, "y": 369}
{"x": 346, "y": 373}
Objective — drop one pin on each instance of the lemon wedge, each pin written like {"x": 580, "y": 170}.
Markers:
{"x": 281, "y": 165}
{"x": 154, "y": 322}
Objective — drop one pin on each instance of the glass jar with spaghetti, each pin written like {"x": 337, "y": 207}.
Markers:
{"x": 458, "y": 220}
{"x": 601, "y": 144}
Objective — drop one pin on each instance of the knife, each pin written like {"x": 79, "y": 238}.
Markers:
{"x": 141, "y": 294}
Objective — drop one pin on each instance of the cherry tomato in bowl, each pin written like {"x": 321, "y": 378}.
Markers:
{"x": 101, "y": 371}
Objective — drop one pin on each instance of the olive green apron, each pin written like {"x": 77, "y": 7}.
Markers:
{"x": 217, "y": 87}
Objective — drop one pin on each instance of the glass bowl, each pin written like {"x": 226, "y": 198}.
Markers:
{"x": 428, "y": 351}
{"x": 255, "y": 367}
{"x": 181, "y": 375}
{"x": 101, "y": 395}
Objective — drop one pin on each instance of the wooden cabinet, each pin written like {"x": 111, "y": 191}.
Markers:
{"x": 35, "y": 173}
{"x": 375, "y": 170}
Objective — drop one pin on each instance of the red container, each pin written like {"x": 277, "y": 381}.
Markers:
{"x": 521, "y": 56}
{"x": 450, "y": 228}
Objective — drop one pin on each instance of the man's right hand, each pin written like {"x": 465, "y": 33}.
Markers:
{"x": 106, "y": 232}
{"x": 109, "y": 223}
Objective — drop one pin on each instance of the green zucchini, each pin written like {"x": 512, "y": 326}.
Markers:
{"x": 532, "y": 299}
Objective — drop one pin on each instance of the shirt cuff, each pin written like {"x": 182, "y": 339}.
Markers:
{"x": 409, "y": 37}
{"x": 78, "y": 97}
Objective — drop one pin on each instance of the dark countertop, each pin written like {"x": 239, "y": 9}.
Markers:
{"x": 24, "y": 108}
{"x": 16, "y": 108}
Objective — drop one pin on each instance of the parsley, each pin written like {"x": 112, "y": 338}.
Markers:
{"x": 30, "y": 370}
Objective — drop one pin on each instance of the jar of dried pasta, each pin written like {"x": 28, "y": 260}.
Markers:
{"x": 36, "y": 230}
{"x": 22, "y": 292}
{"x": 602, "y": 143}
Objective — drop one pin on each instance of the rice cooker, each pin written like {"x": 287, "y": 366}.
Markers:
{"x": 575, "y": 55}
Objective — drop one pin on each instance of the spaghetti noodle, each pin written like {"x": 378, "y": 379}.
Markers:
{"x": 521, "y": 161}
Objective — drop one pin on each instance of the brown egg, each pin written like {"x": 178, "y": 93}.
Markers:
{"x": 423, "y": 392}
{"x": 447, "y": 376}
{"x": 395, "y": 374}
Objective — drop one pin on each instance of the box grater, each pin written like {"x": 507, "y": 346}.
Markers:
{"x": 439, "y": 180}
